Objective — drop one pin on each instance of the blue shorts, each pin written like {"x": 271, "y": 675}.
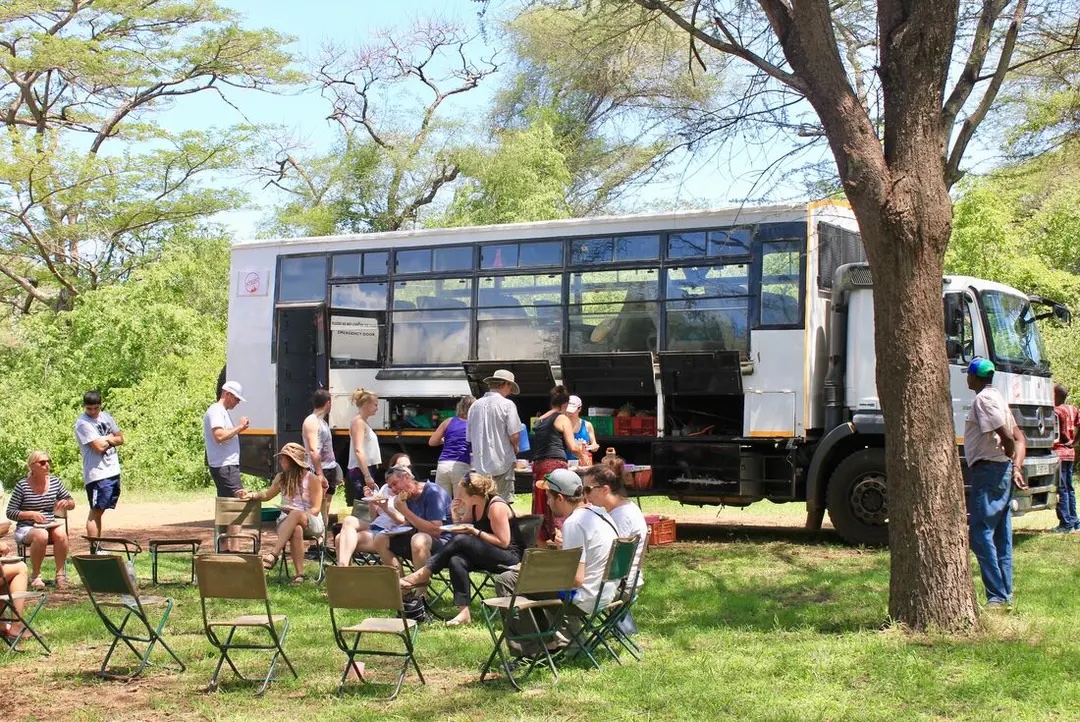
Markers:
{"x": 103, "y": 493}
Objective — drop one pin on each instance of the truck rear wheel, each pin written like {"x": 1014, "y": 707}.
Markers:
{"x": 857, "y": 498}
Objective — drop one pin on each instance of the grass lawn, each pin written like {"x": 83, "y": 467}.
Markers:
{"x": 763, "y": 629}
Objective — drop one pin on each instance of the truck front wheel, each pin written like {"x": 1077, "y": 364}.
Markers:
{"x": 857, "y": 498}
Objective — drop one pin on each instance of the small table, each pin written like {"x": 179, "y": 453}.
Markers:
{"x": 172, "y": 546}
{"x": 114, "y": 545}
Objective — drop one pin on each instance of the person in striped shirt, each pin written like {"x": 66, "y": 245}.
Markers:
{"x": 33, "y": 505}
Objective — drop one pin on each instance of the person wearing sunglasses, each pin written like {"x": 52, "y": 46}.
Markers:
{"x": 33, "y": 505}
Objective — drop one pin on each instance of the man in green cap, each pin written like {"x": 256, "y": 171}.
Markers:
{"x": 994, "y": 451}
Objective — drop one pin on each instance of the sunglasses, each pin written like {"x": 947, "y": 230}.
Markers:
{"x": 43, "y": 462}
{"x": 587, "y": 488}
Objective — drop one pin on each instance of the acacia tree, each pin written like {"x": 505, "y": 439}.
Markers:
{"x": 88, "y": 182}
{"x": 897, "y": 88}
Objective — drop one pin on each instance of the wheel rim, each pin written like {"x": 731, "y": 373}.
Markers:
{"x": 869, "y": 500}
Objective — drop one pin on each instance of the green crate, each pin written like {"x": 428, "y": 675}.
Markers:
{"x": 445, "y": 414}
{"x": 602, "y": 425}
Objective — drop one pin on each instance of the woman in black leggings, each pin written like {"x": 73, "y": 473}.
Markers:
{"x": 492, "y": 541}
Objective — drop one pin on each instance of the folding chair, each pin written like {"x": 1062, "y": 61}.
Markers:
{"x": 8, "y": 613}
{"x": 528, "y": 528}
{"x": 107, "y": 582}
{"x": 630, "y": 597}
{"x": 544, "y": 573}
{"x": 371, "y": 588}
{"x": 114, "y": 545}
{"x": 240, "y": 577}
{"x": 596, "y": 626}
{"x": 23, "y": 550}
{"x": 246, "y": 514}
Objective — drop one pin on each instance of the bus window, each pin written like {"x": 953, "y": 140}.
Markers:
{"x": 620, "y": 248}
{"x": 707, "y": 308}
{"x": 359, "y": 296}
{"x": 355, "y": 340}
{"x": 521, "y": 255}
{"x": 519, "y": 317}
{"x": 301, "y": 279}
{"x": 781, "y": 283}
{"x": 614, "y": 311}
{"x": 431, "y": 321}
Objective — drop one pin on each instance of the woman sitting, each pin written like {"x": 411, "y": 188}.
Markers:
{"x": 14, "y": 578}
{"x": 33, "y": 505}
{"x": 357, "y": 534}
{"x": 302, "y": 497}
{"x": 492, "y": 542}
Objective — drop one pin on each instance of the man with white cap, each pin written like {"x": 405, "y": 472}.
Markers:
{"x": 222, "y": 439}
{"x": 494, "y": 429}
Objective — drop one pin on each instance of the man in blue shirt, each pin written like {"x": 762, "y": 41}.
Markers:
{"x": 426, "y": 508}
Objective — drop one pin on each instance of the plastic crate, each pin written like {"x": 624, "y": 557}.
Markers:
{"x": 602, "y": 425}
{"x": 640, "y": 477}
{"x": 635, "y": 426}
{"x": 445, "y": 414}
{"x": 661, "y": 529}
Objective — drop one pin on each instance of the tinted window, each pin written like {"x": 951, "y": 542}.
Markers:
{"x": 418, "y": 261}
{"x": 376, "y": 263}
{"x": 708, "y": 324}
{"x": 359, "y": 296}
{"x": 302, "y": 279}
{"x": 522, "y": 291}
{"x": 781, "y": 272}
{"x": 540, "y": 254}
{"x": 686, "y": 245}
{"x": 459, "y": 258}
{"x": 613, "y": 311}
{"x": 504, "y": 256}
{"x": 345, "y": 264}
{"x": 637, "y": 248}
{"x": 707, "y": 281}
{"x": 430, "y": 337}
{"x": 591, "y": 250}
{"x": 729, "y": 242}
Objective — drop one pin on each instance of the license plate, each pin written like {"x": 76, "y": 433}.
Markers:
{"x": 1041, "y": 470}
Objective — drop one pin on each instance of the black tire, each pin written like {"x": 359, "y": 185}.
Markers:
{"x": 857, "y": 498}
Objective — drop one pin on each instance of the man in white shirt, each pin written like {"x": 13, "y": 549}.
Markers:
{"x": 994, "y": 450}
{"x": 222, "y": 440}
{"x": 98, "y": 436}
{"x": 494, "y": 429}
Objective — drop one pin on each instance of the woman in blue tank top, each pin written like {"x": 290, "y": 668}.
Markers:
{"x": 456, "y": 457}
{"x": 583, "y": 430}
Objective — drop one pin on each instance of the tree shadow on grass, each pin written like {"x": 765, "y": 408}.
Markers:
{"x": 776, "y": 586}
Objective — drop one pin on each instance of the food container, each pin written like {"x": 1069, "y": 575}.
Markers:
{"x": 661, "y": 529}
{"x": 600, "y": 411}
{"x": 640, "y": 477}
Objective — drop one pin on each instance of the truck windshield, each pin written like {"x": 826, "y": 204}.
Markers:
{"x": 1015, "y": 342}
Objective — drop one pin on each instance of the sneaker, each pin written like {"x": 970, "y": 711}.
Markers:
{"x": 996, "y": 607}
{"x": 1062, "y": 529}
{"x": 313, "y": 553}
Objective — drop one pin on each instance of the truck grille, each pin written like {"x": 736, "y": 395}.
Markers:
{"x": 1038, "y": 424}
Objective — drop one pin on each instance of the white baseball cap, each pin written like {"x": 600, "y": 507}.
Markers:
{"x": 574, "y": 404}
{"x": 235, "y": 389}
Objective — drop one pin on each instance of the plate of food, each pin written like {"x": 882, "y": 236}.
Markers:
{"x": 456, "y": 528}
{"x": 10, "y": 560}
{"x": 375, "y": 497}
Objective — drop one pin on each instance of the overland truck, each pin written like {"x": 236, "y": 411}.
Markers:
{"x": 730, "y": 350}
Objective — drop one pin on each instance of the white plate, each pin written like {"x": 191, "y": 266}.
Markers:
{"x": 48, "y": 525}
{"x": 375, "y": 498}
{"x": 456, "y": 528}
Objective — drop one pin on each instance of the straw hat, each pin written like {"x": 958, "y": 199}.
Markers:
{"x": 295, "y": 452}
{"x": 504, "y": 375}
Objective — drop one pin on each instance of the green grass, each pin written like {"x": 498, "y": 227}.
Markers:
{"x": 752, "y": 630}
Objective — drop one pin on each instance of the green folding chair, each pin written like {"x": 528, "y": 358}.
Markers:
{"x": 112, "y": 593}
{"x": 8, "y": 612}
{"x": 596, "y": 627}
{"x": 241, "y": 577}
{"x": 370, "y": 588}
{"x": 629, "y": 597}
{"x": 545, "y": 580}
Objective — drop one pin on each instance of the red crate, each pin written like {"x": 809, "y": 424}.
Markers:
{"x": 661, "y": 529}
{"x": 635, "y": 426}
{"x": 640, "y": 477}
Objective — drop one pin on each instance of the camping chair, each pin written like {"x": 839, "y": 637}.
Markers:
{"x": 369, "y": 588}
{"x": 23, "y": 550}
{"x": 544, "y": 573}
{"x": 114, "y": 545}
{"x": 8, "y": 613}
{"x": 324, "y": 547}
{"x": 246, "y": 514}
{"x": 110, "y": 588}
{"x": 529, "y": 528}
{"x": 596, "y": 626}
{"x": 240, "y": 577}
{"x": 629, "y": 597}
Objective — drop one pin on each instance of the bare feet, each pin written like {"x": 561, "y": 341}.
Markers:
{"x": 463, "y": 617}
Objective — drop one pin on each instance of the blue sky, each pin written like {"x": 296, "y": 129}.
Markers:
{"x": 707, "y": 179}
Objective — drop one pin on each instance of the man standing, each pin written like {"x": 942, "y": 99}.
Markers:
{"x": 98, "y": 436}
{"x": 222, "y": 440}
{"x": 494, "y": 429}
{"x": 1065, "y": 447}
{"x": 319, "y": 444}
{"x": 994, "y": 450}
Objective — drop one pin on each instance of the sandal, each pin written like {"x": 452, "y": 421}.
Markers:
{"x": 269, "y": 560}
{"x": 37, "y": 582}
{"x": 298, "y": 579}
{"x": 61, "y": 581}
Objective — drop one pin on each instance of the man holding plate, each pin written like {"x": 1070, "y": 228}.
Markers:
{"x": 425, "y": 507}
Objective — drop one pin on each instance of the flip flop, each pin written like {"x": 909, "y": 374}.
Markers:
{"x": 298, "y": 579}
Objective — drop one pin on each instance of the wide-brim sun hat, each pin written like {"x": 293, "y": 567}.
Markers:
{"x": 504, "y": 375}
{"x": 295, "y": 452}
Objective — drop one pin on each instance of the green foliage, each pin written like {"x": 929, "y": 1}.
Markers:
{"x": 152, "y": 345}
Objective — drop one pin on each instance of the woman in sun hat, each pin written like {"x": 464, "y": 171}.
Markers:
{"x": 301, "y": 491}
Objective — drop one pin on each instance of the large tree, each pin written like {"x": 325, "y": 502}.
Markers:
{"x": 89, "y": 182}
{"x": 897, "y": 88}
